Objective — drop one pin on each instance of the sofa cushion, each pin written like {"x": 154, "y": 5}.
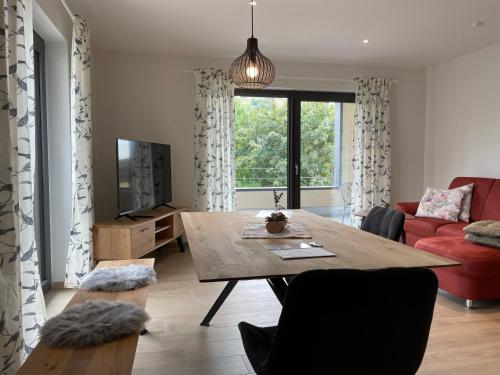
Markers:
{"x": 482, "y": 187}
{"x": 477, "y": 260}
{"x": 441, "y": 204}
{"x": 491, "y": 210}
{"x": 455, "y": 229}
{"x": 424, "y": 226}
{"x": 464, "y": 214}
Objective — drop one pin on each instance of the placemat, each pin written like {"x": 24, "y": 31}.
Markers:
{"x": 258, "y": 230}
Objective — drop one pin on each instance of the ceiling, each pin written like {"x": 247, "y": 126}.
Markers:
{"x": 411, "y": 33}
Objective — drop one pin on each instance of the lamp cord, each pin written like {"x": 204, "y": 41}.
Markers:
{"x": 252, "y": 20}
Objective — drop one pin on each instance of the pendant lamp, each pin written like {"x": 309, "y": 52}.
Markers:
{"x": 252, "y": 70}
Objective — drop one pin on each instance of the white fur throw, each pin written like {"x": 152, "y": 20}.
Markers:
{"x": 94, "y": 322}
{"x": 115, "y": 279}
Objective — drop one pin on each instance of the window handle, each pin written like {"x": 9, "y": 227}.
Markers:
{"x": 296, "y": 169}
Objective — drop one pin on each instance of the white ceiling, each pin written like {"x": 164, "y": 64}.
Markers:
{"x": 413, "y": 33}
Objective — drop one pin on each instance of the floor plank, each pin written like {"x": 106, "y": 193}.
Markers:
{"x": 462, "y": 341}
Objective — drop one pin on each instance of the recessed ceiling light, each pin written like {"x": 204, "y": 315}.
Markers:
{"x": 252, "y": 2}
{"x": 365, "y": 41}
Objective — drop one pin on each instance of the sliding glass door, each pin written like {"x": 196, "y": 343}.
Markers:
{"x": 261, "y": 148}
{"x": 296, "y": 142}
{"x": 326, "y": 136}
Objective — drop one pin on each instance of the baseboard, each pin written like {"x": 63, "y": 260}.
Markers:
{"x": 58, "y": 285}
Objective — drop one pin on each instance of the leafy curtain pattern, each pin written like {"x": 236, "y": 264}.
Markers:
{"x": 79, "y": 260}
{"x": 22, "y": 308}
{"x": 214, "y": 141}
{"x": 371, "y": 185}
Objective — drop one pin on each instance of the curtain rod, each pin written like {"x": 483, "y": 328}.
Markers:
{"x": 299, "y": 78}
{"x": 68, "y": 9}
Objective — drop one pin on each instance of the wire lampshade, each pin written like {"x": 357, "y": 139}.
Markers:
{"x": 252, "y": 70}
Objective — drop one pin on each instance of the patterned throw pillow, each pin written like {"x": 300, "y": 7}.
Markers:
{"x": 464, "y": 214}
{"x": 441, "y": 204}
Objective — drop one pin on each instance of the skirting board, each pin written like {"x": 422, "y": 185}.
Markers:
{"x": 58, "y": 285}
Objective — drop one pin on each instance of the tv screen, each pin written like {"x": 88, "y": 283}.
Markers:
{"x": 143, "y": 175}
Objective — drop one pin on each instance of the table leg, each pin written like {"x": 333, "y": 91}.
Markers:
{"x": 180, "y": 244}
{"x": 218, "y": 302}
{"x": 278, "y": 286}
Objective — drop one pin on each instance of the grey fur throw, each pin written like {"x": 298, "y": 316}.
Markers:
{"x": 115, "y": 279}
{"x": 94, "y": 322}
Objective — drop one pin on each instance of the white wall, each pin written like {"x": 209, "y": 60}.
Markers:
{"x": 54, "y": 25}
{"x": 463, "y": 118}
{"x": 150, "y": 97}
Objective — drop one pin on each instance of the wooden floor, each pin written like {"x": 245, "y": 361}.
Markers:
{"x": 461, "y": 342}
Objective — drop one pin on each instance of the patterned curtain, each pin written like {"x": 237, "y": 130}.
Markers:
{"x": 22, "y": 307}
{"x": 214, "y": 141}
{"x": 79, "y": 259}
{"x": 371, "y": 185}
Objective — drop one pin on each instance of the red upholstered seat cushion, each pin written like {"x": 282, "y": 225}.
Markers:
{"x": 455, "y": 229}
{"x": 491, "y": 209}
{"x": 480, "y": 193}
{"x": 424, "y": 226}
{"x": 477, "y": 260}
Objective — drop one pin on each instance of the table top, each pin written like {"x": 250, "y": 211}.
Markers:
{"x": 115, "y": 357}
{"x": 220, "y": 254}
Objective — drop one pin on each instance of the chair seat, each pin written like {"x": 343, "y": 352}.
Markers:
{"x": 450, "y": 230}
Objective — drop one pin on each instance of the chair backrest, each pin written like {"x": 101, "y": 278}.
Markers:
{"x": 384, "y": 222}
{"x": 354, "y": 322}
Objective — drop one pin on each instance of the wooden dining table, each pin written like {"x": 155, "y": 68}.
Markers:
{"x": 221, "y": 254}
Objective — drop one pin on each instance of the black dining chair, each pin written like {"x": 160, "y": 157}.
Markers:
{"x": 384, "y": 222}
{"x": 347, "y": 322}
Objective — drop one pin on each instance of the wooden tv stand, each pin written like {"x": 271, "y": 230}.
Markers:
{"x": 128, "y": 239}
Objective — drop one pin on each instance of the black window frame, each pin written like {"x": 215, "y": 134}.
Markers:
{"x": 295, "y": 97}
{"x": 41, "y": 140}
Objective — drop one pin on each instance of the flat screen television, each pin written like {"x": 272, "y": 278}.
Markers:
{"x": 143, "y": 175}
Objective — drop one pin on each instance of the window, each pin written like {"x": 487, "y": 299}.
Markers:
{"x": 41, "y": 191}
{"x": 298, "y": 142}
{"x": 317, "y": 130}
{"x": 261, "y": 141}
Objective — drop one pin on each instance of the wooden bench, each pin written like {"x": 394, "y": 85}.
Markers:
{"x": 115, "y": 357}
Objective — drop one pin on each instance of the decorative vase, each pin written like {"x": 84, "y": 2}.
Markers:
{"x": 274, "y": 227}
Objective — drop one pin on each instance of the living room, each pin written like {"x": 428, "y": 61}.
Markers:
{"x": 356, "y": 106}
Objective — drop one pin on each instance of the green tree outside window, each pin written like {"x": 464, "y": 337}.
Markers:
{"x": 261, "y": 142}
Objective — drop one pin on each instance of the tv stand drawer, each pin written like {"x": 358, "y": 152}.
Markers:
{"x": 143, "y": 233}
{"x": 143, "y": 248}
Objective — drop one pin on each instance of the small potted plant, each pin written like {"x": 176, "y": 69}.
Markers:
{"x": 276, "y": 222}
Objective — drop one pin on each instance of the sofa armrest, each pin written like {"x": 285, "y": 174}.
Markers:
{"x": 408, "y": 207}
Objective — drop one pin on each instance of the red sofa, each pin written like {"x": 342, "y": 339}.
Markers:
{"x": 479, "y": 276}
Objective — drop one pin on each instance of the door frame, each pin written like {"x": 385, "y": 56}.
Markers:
{"x": 42, "y": 159}
{"x": 294, "y": 139}
{"x": 295, "y": 97}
